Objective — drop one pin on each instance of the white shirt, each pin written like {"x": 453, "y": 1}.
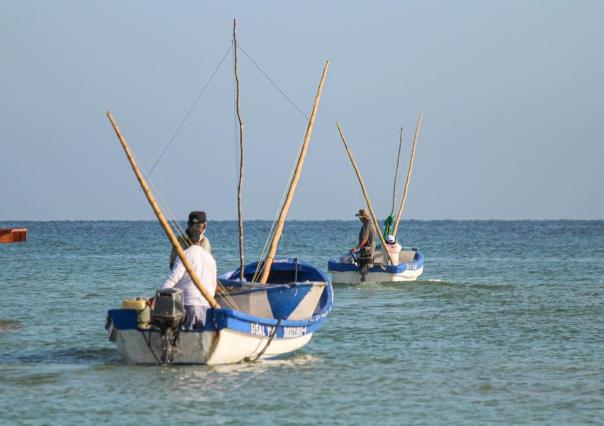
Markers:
{"x": 204, "y": 267}
{"x": 393, "y": 252}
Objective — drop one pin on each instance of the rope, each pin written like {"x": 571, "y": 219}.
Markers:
{"x": 169, "y": 215}
{"x": 274, "y": 84}
{"x": 282, "y": 92}
{"x": 375, "y": 139}
{"x": 292, "y": 103}
{"x": 355, "y": 189}
{"x": 149, "y": 346}
{"x": 175, "y": 224}
{"x": 260, "y": 269}
{"x": 228, "y": 299}
{"x": 270, "y": 339}
{"x": 191, "y": 109}
{"x": 398, "y": 160}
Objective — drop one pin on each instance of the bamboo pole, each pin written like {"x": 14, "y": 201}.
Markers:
{"x": 240, "y": 184}
{"x": 409, "y": 172}
{"x": 369, "y": 206}
{"x": 398, "y": 159}
{"x": 162, "y": 220}
{"x": 266, "y": 268}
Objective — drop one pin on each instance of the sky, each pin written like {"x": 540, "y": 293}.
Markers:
{"x": 512, "y": 95}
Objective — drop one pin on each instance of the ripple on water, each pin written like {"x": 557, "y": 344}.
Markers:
{"x": 9, "y": 325}
{"x": 17, "y": 378}
{"x": 61, "y": 356}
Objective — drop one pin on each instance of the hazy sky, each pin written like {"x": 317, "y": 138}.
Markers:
{"x": 512, "y": 94}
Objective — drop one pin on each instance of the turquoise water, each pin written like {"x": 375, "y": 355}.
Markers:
{"x": 505, "y": 326}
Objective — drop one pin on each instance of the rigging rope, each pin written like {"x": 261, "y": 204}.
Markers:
{"x": 170, "y": 217}
{"x": 190, "y": 109}
{"x": 356, "y": 192}
{"x": 376, "y": 139}
{"x": 274, "y": 84}
{"x": 398, "y": 160}
{"x": 355, "y": 189}
{"x": 175, "y": 224}
{"x": 259, "y": 268}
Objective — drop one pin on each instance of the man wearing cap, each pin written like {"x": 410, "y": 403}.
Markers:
{"x": 366, "y": 245}
{"x": 204, "y": 266}
{"x": 196, "y": 227}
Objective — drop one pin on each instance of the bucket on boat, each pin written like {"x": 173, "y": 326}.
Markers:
{"x": 142, "y": 310}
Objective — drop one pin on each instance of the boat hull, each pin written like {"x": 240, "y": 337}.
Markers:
{"x": 228, "y": 337}
{"x": 264, "y": 321}
{"x": 344, "y": 272}
{"x": 353, "y": 277}
{"x": 206, "y": 347}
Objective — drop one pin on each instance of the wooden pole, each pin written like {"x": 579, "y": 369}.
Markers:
{"x": 369, "y": 206}
{"x": 266, "y": 268}
{"x": 409, "y": 172}
{"x": 398, "y": 159}
{"x": 240, "y": 184}
{"x": 162, "y": 220}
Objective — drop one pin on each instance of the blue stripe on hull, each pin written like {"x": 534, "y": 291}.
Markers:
{"x": 335, "y": 265}
{"x": 283, "y": 298}
{"x": 219, "y": 319}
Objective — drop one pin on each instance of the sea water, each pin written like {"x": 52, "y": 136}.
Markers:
{"x": 506, "y": 325}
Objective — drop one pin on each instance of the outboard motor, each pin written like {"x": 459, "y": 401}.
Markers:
{"x": 168, "y": 314}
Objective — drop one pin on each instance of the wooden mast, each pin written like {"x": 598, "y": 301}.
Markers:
{"x": 369, "y": 206}
{"x": 239, "y": 212}
{"x": 162, "y": 220}
{"x": 398, "y": 159}
{"x": 409, "y": 172}
{"x": 266, "y": 268}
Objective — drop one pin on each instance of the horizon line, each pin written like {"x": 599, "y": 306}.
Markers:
{"x": 315, "y": 220}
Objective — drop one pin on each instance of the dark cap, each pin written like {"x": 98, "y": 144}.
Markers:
{"x": 197, "y": 217}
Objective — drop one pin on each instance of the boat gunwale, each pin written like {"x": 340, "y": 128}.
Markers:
{"x": 279, "y": 264}
{"x": 335, "y": 265}
{"x": 218, "y": 319}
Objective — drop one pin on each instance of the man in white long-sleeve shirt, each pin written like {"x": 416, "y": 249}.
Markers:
{"x": 204, "y": 266}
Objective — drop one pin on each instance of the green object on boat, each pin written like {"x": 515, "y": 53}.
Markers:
{"x": 388, "y": 226}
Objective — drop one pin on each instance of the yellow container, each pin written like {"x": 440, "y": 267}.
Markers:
{"x": 144, "y": 317}
{"x": 142, "y": 310}
{"x": 137, "y": 304}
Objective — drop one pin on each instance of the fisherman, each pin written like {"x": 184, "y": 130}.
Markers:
{"x": 197, "y": 221}
{"x": 366, "y": 246}
{"x": 204, "y": 266}
{"x": 393, "y": 249}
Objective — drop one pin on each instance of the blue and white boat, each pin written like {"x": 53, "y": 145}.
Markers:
{"x": 344, "y": 270}
{"x": 250, "y": 319}
{"x": 261, "y": 320}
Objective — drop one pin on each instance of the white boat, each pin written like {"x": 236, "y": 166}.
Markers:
{"x": 272, "y": 319}
{"x": 410, "y": 263}
{"x": 344, "y": 270}
{"x": 260, "y": 312}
